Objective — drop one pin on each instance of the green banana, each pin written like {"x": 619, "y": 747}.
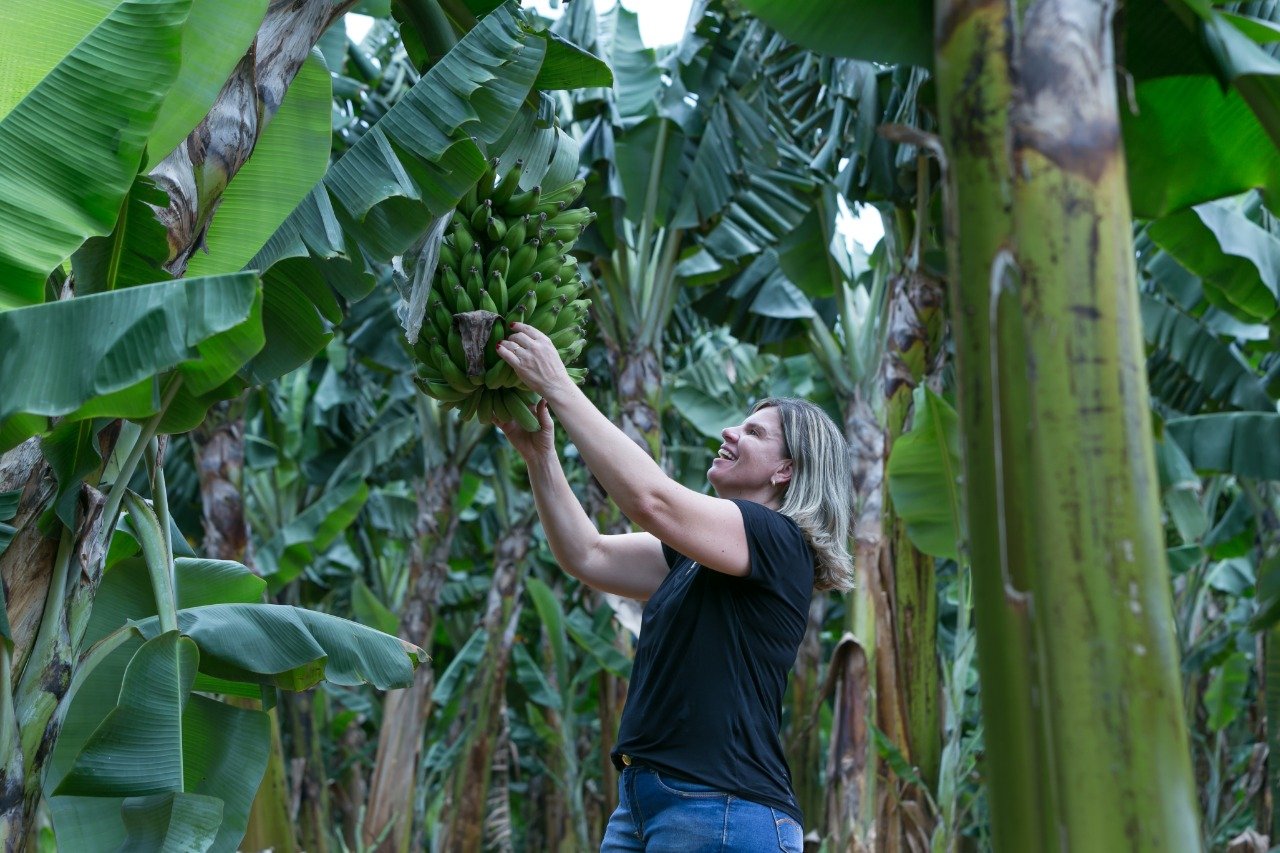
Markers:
{"x": 453, "y": 374}
{"x": 506, "y": 252}
{"x": 527, "y": 419}
{"x": 499, "y": 260}
{"x": 439, "y": 390}
{"x": 484, "y": 188}
{"x": 509, "y": 184}
{"x": 524, "y": 259}
{"x": 544, "y": 317}
{"x": 573, "y": 350}
{"x": 500, "y": 409}
{"x": 566, "y": 336}
{"x": 475, "y": 284}
{"x": 517, "y": 230}
{"x": 524, "y": 202}
{"x": 498, "y": 289}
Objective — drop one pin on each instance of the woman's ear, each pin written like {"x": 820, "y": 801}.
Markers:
{"x": 783, "y": 475}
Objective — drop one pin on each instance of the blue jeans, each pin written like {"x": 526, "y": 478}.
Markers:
{"x": 662, "y": 814}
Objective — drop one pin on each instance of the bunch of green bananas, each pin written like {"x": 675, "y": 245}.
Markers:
{"x": 505, "y": 258}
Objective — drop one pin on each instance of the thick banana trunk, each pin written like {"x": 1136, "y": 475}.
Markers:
{"x": 481, "y": 718}
{"x": 911, "y": 716}
{"x": 1076, "y": 645}
{"x": 638, "y": 380}
{"x": 197, "y": 172}
{"x": 404, "y": 712}
{"x": 803, "y": 741}
{"x": 851, "y": 769}
{"x": 219, "y": 456}
{"x": 974, "y": 91}
{"x": 219, "y": 449}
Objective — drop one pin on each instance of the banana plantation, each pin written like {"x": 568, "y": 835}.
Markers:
{"x": 273, "y": 580}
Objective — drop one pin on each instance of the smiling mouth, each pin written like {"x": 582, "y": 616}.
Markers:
{"x": 724, "y": 453}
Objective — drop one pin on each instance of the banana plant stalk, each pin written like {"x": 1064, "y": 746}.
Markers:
{"x": 908, "y": 694}
{"x": 482, "y": 724}
{"x": 1075, "y": 629}
{"x": 448, "y": 446}
{"x": 196, "y": 173}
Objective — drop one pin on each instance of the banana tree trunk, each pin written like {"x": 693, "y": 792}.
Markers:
{"x": 804, "y": 741}
{"x": 1076, "y": 643}
{"x": 404, "y": 712}
{"x": 49, "y": 582}
{"x": 197, "y": 172}
{"x": 481, "y": 718}
{"x": 851, "y": 769}
{"x": 911, "y": 717}
{"x": 309, "y": 806}
{"x": 638, "y": 384}
{"x": 219, "y": 457}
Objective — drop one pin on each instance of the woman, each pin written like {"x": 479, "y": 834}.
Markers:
{"x": 727, "y": 581}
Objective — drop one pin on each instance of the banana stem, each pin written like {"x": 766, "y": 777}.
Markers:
{"x": 131, "y": 462}
{"x": 159, "y": 566}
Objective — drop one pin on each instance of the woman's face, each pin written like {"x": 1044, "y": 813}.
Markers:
{"x": 752, "y": 461}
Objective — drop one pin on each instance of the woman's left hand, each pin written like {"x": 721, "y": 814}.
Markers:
{"x": 534, "y": 359}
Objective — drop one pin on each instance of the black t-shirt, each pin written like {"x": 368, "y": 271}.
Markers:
{"x": 711, "y": 665}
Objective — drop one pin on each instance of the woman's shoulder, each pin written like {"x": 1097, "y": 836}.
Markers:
{"x": 760, "y": 519}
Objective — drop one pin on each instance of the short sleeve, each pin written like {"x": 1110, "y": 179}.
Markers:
{"x": 779, "y": 556}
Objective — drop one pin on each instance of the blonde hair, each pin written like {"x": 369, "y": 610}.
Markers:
{"x": 817, "y": 498}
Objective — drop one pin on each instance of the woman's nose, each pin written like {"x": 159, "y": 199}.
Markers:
{"x": 727, "y": 433}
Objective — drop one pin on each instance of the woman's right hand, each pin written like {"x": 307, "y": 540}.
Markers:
{"x": 531, "y": 444}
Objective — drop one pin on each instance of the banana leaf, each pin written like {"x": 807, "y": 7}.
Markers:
{"x": 381, "y": 195}
{"x": 292, "y": 648}
{"x": 169, "y": 823}
{"x": 1246, "y": 444}
{"x": 56, "y": 189}
{"x": 1218, "y": 367}
{"x": 924, "y": 476}
{"x": 123, "y": 340}
{"x": 883, "y": 32}
{"x": 1237, "y": 261}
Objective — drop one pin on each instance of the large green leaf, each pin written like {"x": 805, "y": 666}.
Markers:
{"x": 899, "y": 32}
{"x": 292, "y": 648}
{"x": 1224, "y": 695}
{"x": 1180, "y": 489}
{"x": 287, "y": 553}
{"x": 289, "y": 159}
{"x": 1246, "y": 444}
{"x": 637, "y": 77}
{"x": 568, "y": 66}
{"x": 370, "y": 611}
{"x": 125, "y": 592}
{"x": 1237, "y": 261}
{"x": 1190, "y": 142}
{"x": 171, "y": 823}
{"x": 381, "y": 195}
{"x": 72, "y": 452}
{"x": 133, "y": 253}
{"x": 62, "y": 181}
{"x": 551, "y": 614}
{"x": 217, "y": 34}
{"x": 1223, "y": 374}
{"x": 122, "y": 340}
{"x": 223, "y": 755}
{"x": 923, "y": 474}
{"x": 138, "y": 748}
